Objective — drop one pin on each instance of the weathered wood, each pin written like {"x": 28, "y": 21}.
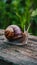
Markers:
{"x": 21, "y": 55}
{"x": 2, "y": 32}
{"x": 31, "y": 37}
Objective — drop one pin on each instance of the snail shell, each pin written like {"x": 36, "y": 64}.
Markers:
{"x": 13, "y": 32}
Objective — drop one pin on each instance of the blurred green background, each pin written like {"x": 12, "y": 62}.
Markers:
{"x": 19, "y": 12}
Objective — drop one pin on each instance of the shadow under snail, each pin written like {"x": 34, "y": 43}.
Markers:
{"x": 13, "y": 32}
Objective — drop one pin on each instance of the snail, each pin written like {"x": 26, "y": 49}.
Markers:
{"x": 13, "y": 32}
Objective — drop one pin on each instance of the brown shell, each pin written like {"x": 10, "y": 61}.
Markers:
{"x": 13, "y": 32}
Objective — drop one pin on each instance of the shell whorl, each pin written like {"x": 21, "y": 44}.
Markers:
{"x": 12, "y": 31}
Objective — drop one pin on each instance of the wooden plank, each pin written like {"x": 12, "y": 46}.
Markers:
{"x": 21, "y": 55}
{"x": 31, "y": 37}
{"x": 2, "y": 31}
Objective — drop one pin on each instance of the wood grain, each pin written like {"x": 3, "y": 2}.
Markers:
{"x": 19, "y": 54}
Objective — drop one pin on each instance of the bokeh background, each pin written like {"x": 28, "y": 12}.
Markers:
{"x": 19, "y": 12}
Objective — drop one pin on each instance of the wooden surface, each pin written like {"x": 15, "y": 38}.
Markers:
{"x": 20, "y": 55}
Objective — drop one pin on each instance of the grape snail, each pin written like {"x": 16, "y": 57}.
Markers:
{"x": 13, "y": 32}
